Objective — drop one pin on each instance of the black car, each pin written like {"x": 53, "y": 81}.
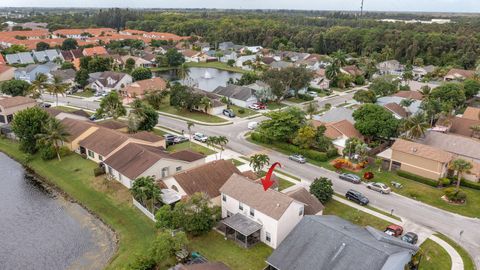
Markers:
{"x": 410, "y": 237}
{"x": 229, "y": 113}
{"x": 45, "y": 105}
{"x": 357, "y": 197}
{"x": 169, "y": 139}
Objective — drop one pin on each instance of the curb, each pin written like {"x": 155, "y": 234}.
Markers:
{"x": 194, "y": 121}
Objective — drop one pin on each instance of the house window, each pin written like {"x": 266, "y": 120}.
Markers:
{"x": 224, "y": 197}
{"x": 119, "y": 177}
{"x": 240, "y": 205}
{"x": 91, "y": 154}
{"x": 175, "y": 188}
{"x": 100, "y": 157}
{"x": 165, "y": 172}
{"x": 179, "y": 168}
{"x": 252, "y": 212}
{"x": 268, "y": 237}
{"x": 300, "y": 212}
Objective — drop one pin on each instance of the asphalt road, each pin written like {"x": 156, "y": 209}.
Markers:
{"x": 462, "y": 229}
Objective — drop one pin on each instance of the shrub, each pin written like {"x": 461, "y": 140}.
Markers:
{"x": 470, "y": 184}
{"x": 417, "y": 178}
{"x": 64, "y": 151}
{"x": 258, "y": 137}
{"x": 322, "y": 189}
{"x": 332, "y": 152}
{"x": 47, "y": 152}
{"x": 143, "y": 263}
{"x": 241, "y": 111}
{"x": 315, "y": 155}
{"x": 305, "y": 97}
{"x": 99, "y": 171}
{"x": 455, "y": 195}
{"x": 443, "y": 182}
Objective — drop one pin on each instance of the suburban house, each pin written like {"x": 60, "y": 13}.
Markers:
{"x": 339, "y": 132}
{"x": 30, "y": 72}
{"x": 280, "y": 64}
{"x": 417, "y": 158}
{"x": 138, "y": 89}
{"x": 252, "y": 49}
{"x": 409, "y": 95}
{"x": 420, "y": 72}
{"x": 241, "y": 60}
{"x": 223, "y": 46}
{"x": 191, "y": 55}
{"x": 320, "y": 81}
{"x": 20, "y": 58}
{"x": 135, "y": 160}
{"x": 9, "y": 106}
{"x": 390, "y": 67}
{"x": 139, "y": 62}
{"x": 66, "y": 76}
{"x": 71, "y": 55}
{"x": 206, "y": 178}
{"x": 6, "y": 72}
{"x": 227, "y": 56}
{"x": 216, "y": 104}
{"x": 393, "y": 104}
{"x": 262, "y": 91}
{"x": 60, "y": 115}
{"x": 332, "y": 243}
{"x": 335, "y": 115}
{"x": 47, "y": 56}
{"x": 77, "y": 130}
{"x": 458, "y": 125}
{"x": 251, "y": 214}
{"x": 352, "y": 70}
{"x": 398, "y": 111}
{"x": 83, "y": 33}
{"x": 238, "y": 95}
{"x": 109, "y": 80}
{"x": 312, "y": 205}
{"x": 456, "y": 74}
{"x": 471, "y": 113}
{"x": 94, "y": 51}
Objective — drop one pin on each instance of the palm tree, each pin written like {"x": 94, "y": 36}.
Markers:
{"x": 311, "y": 109}
{"x": 189, "y": 127}
{"x": 339, "y": 58}
{"x": 57, "y": 87}
{"x": 461, "y": 166}
{"x": 183, "y": 72}
{"x": 145, "y": 189}
{"x": 362, "y": 151}
{"x": 212, "y": 141}
{"x": 258, "y": 161}
{"x": 38, "y": 85}
{"x": 425, "y": 91}
{"x": 415, "y": 126}
{"x": 53, "y": 134}
{"x": 222, "y": 142}
{"x": 206, "y": 103}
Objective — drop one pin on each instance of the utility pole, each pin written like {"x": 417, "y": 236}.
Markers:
{"x": 361, "y": 10}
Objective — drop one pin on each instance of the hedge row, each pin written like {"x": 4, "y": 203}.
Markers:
{"x": 470, "y": 184}
{"x": 417, "y": 178}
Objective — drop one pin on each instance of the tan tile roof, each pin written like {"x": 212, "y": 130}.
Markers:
{"x": 352, "y": 70}
{"x": 74, "y": 127}
{"x": 112, "y": 124}
{"x": 421, "y": 150}
{"x": 462, "y": 126}
{"x": 472, "y": 113}
{"x": 397, "y": 109}
{"x": 312, "y": 204}
{"x": 10, "y": 102}
{"x": 271, "y": 203}
{"x": 104, "y": 141}
{"x": 335, "y": 130}
{"x": 139, "y": 88}
{"x": 98, "y": 50}
{"x": 455, "y": 73}
{"x": 207, "y": 178}
{"x": 409, "y": 95}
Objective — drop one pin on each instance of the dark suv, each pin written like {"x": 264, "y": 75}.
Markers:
{"x": 357, "y": 197}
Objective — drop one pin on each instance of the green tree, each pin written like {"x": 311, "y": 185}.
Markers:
{"x": 42, "y": 46}
{"x": 156, "y": 98}
{"x": 384, "y": 86}
{"x": 450, "y": 95}
{"x": 322, "y": 189}
{"x": 365, "y": 96}
{"x": 471, "y": 88}
{"x": 375, "y": 121}
{"x": 174, "y": 58}
{"x": 69, "y": 44}
{"x": 142, "y": 116}
{"x": 258, "y": 161}
{"x": 129, "y": 64}
{"x": 311, "y": 109}
{"x": 54, "y": 133}
{"x": 351, "y": 146}
{"x": 306, "y": 137}
{"x": 57, "y": 87}
{"x": 282, "y": 125}
{"x": 26, "y": 125}
{"x": 461, "y": 166}
{"x": 141, "y": 73}
{"x": 15, "y": 48}
{"x": 67, "y": 65}
{"x": 38, "y": 85}
{"x": 206, "y": 103}
{"x": 111, "y": 106}
{"x": 146, "y": 191}
{"x": 415, "y": 126}
{"x": 15, "y": 87}
{"x": 166, "y": 244}
{"x": 81, "y": 78}
{"x": 339, "y": 58}
{"x": 247, "y": 78}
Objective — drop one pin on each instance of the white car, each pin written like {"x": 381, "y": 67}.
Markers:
{"x": 252, "y": 125}
{"x": 380, "y": 187}
{"x": 254, "y": 107}
{"x": 200, "y": 137}
{"x": 312, "y": 93}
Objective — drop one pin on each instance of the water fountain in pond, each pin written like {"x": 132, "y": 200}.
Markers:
{"x": 207, "y": 75}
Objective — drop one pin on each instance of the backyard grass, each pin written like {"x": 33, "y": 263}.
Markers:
{"x": 215, "y": 248}
{"x": 195, "y": 115}
{"x": 190, "y": 146}
{"x": 354, "y": 215}
{"x": 246, "y": 112}
{"x": 74, "y": 176}
{"x": 468, "y": 263}
{"x": 434, "y": 257}
{"x": 217, "y": 65}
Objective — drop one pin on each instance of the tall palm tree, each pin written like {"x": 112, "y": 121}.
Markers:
{"x": 212, "y": 141}
{"x": 311, "y": 109}
{"x": 53, "y": 134}
{"x": 415, "y": 126}
{"x": 461, "y": 166}
{"x": 339, "y": 58}
{"x": 57, "y": 87}
{"x": 38, "y": 85}
{"x": 425, "y": 91}
{"x": 183, "y": 72}
{"x": 189, "y": 127}
{"x": 332, "y": 71}
{"x": 258, "y": 161}
{"x": 222, "y": 142}
{"x": 206, "y": 103}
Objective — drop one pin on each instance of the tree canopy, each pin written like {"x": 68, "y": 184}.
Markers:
{"x": 111, "y": 106}
{"x": 15, "y": 87}
{"x": 26, "y": 125}
{"x": 283, "y": 125}
{"x": 373, "y": 120}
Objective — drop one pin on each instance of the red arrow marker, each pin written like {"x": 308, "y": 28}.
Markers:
{"x": 267, "y": 182}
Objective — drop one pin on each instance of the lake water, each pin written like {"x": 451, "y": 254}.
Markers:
{"x": 41, "y": 230}
{"x": 205, "y": 78}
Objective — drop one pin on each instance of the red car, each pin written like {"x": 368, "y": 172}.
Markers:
{"x": 258, "y": 106}
{"x": 394, "y": 230}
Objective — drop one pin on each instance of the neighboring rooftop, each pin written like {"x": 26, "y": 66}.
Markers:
{"x": 335, "y": 115}
{"x": 463, "y": 146}
{"x": 312, "y": 205}
{"x": 472, "y": 113}
{"x": 338, "y": 129}
{"x": 409, "y": 95}
{"x": 235, "y": 92}
{"x": 10, "y": 102}
{"x": 421, "y": 150}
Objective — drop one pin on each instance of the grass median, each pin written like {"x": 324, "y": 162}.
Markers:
{"x": 468, "y": 263}
{"x": 434, "y": 257}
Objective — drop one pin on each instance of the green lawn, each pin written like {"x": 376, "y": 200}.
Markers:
{"x": 468, "y": 263}
{"x": 65, "y": 109}
{"x": 84, "y": 94}
{"x": 274, "y": 105}
{"x": 246, "y": 112}
{"x": 434, "y": 257}
{"x": 236, "y": 162}
{"x": 159, "y": 132}
{"x": 195, "y": 115}
{"x": 74, "y": 175}
{"x": 354, "y": 215}
{"x": 295, "y": 100}
{"x": 217, "y": 65}
{"x": 284, "y": 184}
{"x": 194, "y": 147}
{"x": 215, "y": 248}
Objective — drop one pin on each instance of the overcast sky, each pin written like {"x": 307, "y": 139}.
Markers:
{"x": 373, "y": 5}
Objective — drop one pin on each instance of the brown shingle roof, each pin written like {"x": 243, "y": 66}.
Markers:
{"x": 270, "y": 202}
{"x": 112, "y": 124}
{"x": 312, "y": 204}
{"x": 207, "y": 178}
{"x": 75, "y": 127}
{"x": 409, "y": 95}
{"x": 335, "y": 130}
{"x": 421, "y": 150}
{"x": 462, "y": 126}
{"x": 141, "y": 87}
{"x": 103, "y": 141}
{"x": 187, "y": 155}
{"x": 397, "y": 109}
{"x": 146, "y": 136}
{"x": 11, "y": 102}
{"x": 472, "y": 113}
{"x": 462, "y": 73}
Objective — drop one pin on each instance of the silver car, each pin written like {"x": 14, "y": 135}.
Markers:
{"x": 380, "y": 187}
{"x": 350, "y": 178}
{"x": 298, "y": 158}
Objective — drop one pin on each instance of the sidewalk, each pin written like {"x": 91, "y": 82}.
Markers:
{"x": 457, "y": 262}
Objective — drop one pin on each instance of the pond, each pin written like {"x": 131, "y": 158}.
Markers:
{"x": 41, "y": 230}
{"x": 204, "y": 78}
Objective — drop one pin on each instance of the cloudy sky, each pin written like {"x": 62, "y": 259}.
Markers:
{"x": 373, "y": 5}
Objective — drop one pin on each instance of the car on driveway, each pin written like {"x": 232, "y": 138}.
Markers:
{"x": 380, "y": 187}
{"x": 357, "y": 197}
{"x": 200, "y": 137}
{"x": 45, "y": 105}
{"x": 229, "y": 113}
{"x": 258, "y": 106}
{"x": 312, "y": 94}
{"x": 169, "y": 139}
{"x": 350, "y": 178}
{"x": 180, "y": 139}
{"x": 298, "y": 158}
{"x": 410, "y": 237}
{"x": 394, "y": 230}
